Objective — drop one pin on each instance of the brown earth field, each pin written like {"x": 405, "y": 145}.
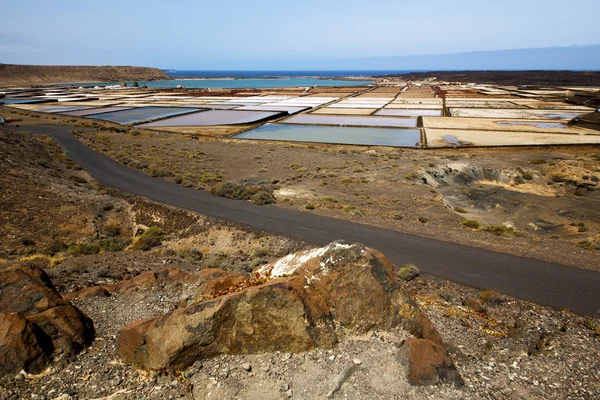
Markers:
{"x": 11, "y": 74}
{"x": 88, "y": 240}
{"x": 538, "y": 202}
{"x": 509, "y": 78}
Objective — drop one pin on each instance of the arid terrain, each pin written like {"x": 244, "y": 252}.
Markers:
{"x": 81, "y": 234}
{"x": 107, "y": 295}
{"x": 546, "y": 194}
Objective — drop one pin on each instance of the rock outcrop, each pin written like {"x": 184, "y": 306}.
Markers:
{"x": 36, "y": 321}
{"x": 427, "y": 363}
{"x": 22, "y": 345}
{"x": 302, "y": 301}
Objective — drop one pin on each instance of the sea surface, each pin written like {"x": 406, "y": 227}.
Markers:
{"x": 257, "y": 79}
{"x": 281, "y": 74}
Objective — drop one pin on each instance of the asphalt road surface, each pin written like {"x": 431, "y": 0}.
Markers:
{"x": 541, "y": 282}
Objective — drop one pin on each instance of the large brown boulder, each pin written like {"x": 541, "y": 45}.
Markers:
{"x": 23, "y": 346}
{"x": 41, "y": 321}
{"x": 299, "y": 302}
{"x": 264, "y": 318}
{"x": 69, "y": 329}
{"x": 27, "y": 289}
{"x": 427, "y": 363}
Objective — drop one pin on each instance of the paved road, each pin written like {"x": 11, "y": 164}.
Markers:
{"x": 545, "y": 283}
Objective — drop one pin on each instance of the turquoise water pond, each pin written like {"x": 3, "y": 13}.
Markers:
{"x": 335, "y": 134}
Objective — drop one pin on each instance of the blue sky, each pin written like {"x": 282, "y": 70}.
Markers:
{"x": 263, "y": 34}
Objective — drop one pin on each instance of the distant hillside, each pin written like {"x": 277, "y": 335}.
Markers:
{"x": 27, "y": 75}
{"x": 509, "y": 78}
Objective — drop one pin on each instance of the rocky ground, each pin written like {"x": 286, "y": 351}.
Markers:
{"x": 113, "y": 273}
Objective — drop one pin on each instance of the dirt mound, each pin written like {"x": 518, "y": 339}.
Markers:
{"x": 43, "y": 74}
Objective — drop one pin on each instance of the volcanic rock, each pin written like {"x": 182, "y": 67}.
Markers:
{"x": 428, "y": 363}
{"x": 22, "y": 346}
{"x": 302, "y": 301}
{"x": 41, "y": 320}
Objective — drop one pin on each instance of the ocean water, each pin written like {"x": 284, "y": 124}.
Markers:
{"x": 281, "y": 74}
{"x": 249, "y": 83}
{"x": 258, "y": 79}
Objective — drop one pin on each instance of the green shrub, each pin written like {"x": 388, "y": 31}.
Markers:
{"x": 329, "y": 199}
{"x": 538, "y": 161}
{"x": 114, "y": 244}
{"x": 471, "y": 223}
{"x": 255, "y": 262}
{"x": 408, "y": 272}
{"x": 190, "y": 254}
{"x": 112, "y": 230}
{"x": 460, "y": 210}
{"x": 491, "y": 297}
{"x": 152, "y": 237}
{"x": 501, "y": 230}
{"x": 256, "y": 193}
{"x": 219, "y": 260}
{"x": 78, "y": 179}
{"x": 309, "y": 206}
{"x": 56, "y": 246}
{"x": 527, "y": 176}
{"x": 84, "y": 249}
{"x": 210, "y": 178}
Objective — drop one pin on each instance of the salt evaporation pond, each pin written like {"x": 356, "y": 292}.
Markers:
{"x": 336, "y": 135}
{"x": 135, "y": 115}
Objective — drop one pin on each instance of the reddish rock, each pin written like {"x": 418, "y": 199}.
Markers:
{"x": 23, "y": 346}
{"x": 69, "y": 329}
{"x": 214, "y": 281}
{"x": 142, "y": 281}
{"x": 27, "y": 289}
{"x": 172, "y": 274}
{"x": 86, "y": 293}
{"x": 428, "y": 363}
{"x": 260, "y": 319}
{"x": 308, "y": 294}
{"x": 51, "y": 321}
{"x": 154, "y": 279}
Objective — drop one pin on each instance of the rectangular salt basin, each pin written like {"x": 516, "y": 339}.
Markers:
{"x": 215, "y": 117}
{"x": 336, "y": 135}
{"x": 517, "y": 125}
{"x": 393, "y": 106}
{"x": 514, "y": 114}
{"x": 59, "y": 109}
{"x": 25, "y": 101}
{"x": 344, "y": 111}
{"x": 289, "y": 110}
{"x": 356, "y": 105}
{"x": 461, "y": 138}
{"x": 135, "y": 115}
{"x": 92, "y": 111}
{"x": 313, "y": 119}
{"x": 410, "y": 113}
